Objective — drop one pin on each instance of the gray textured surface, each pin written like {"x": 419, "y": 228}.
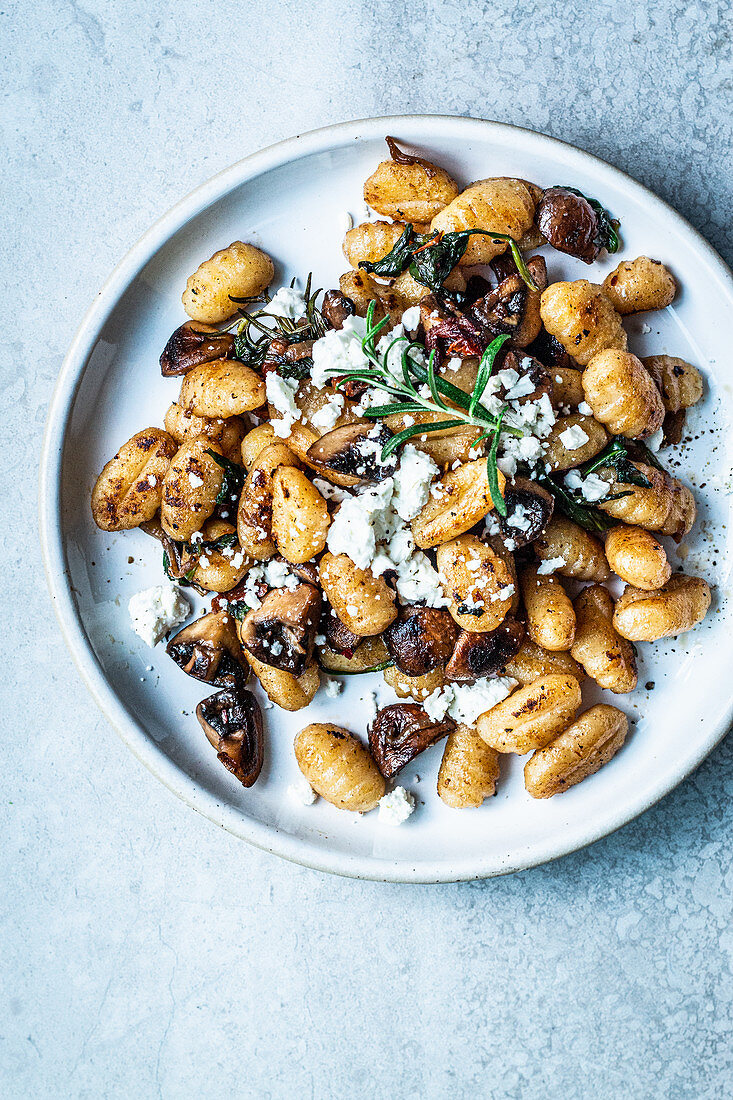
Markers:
{"x": 144, "y": 952}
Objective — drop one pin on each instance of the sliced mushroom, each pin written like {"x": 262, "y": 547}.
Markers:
{"x": 569, "y": 223}
{"x": 209, "y": 650}
{"x": 531, "y": 506}
{"x": 340, "y": 639}
{"x": 282, "y": 631}
{"x": 551, "y": 352}
{"x": 673, "y": 427}
{"x": 513, "y": 308}
{"x": 336, "y": 308}
{"x": 232, "y": 722}
{"x": 448, "y": 331}
{"x": 354, "y": 452}
{"x": 421, "y": 639}
{"x": 400, "y": 732}
{"x": 192, "y": 344}
{"x": 478, "y": 655}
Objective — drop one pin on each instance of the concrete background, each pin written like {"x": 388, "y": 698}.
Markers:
{"x": 147, "y": 954}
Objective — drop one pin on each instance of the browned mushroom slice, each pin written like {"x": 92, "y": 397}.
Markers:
{"x": 569, "y": 223}
{"x": 400, "y": 732}
{"x": 421, "y": 639}
{"x": 232, "y": 721}
{"x": 179, "y": 561}
{"x": 513, "y": 308}
{"x": 209, "y": 650}
{"x": 673, "y": 427}
{"x": 355, "y": 452}
{"x": 450, "y": 332}
{"x": 282, "y": 631}
{"x": 530, "y": 507}
{"x": 192, "y": 344}
{"x": 478, "y": 655}
{"x": 296, "y": 354}
{"x": 551, "y": 352}
{"x": 336, "y": 308}
{"x": 340, "y": 639}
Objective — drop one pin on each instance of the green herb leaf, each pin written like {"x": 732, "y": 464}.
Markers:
{"x": 616, "y": 454}
{"x": 485, "y": 368}
{"x": 233, "y": 479}
{"x": 396, "y": 260}
{"x": 607, "y": 236}
{"x": 395, "y": 409}
{"x": 492, "y": 469}
{"x": 517, "y": 257}
{"x": 415, "y": 429}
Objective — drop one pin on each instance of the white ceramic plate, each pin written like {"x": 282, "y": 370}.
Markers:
{"x": 291, "y": 199}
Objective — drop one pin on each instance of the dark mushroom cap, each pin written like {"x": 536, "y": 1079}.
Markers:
{"x": 400, "y": 732}
{"x": 512, "y": 308}
{"x": 537, "y": 505}
{"x": 192, "y": 344}
{"x": 421, "y": 639}
{"x": 478, "y": 655}
{"x": 281, "y": 632}
{"x": 354, "y": 451}
{"x": 232, "y": 722}
{"x": 569, "y": 223}
{"x": 209, "y": 650}
{"x": 336, "y": 308}
{"x": 338, "y": 636}
{"x": 550, "y": 351}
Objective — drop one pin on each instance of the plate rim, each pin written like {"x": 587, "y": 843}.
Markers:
{"x": 266, "y": 837}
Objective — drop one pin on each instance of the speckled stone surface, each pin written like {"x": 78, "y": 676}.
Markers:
{"x": 144, "y": 952}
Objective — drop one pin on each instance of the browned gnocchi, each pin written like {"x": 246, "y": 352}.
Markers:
{"x": 604, "y": 654}
{"x": 468, "y": 771}
{"x": 582, "y": 319}
{"x": 129, "y": 489}
{"x": 338, "y": 767}
{"x": 622, "y": 394}
{"x": 580, "y": 750}
{"x": 638, "y": 285}
{"x": 532, "y": 715}
{"x": 238, "y": 271}
{"x": 677, "y": 606}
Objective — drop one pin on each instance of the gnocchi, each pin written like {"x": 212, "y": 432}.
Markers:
{"x": 531, "y": 716}
{"x": 677, "y": 606}
{"x": 608, "y": 658}
{"x": 468, "y": 771}
{"x": 582, "y": 319}
{"x": 638, "y": 285}
{"x": 238, "y": 271}
{"x": 622, "y": 394}
{"x": 580, "y": 750}
{"x": 338, "y": 767}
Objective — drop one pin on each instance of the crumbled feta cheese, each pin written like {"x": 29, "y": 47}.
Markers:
{"x": 339, "y": 351}
{"x": 281, "y": 394}
{"x": 396, "y": 806}
{"x": 157, "y": 610}
{"x": 645, "y": 328}
{"x": 412, "y": 480}
{"x": 411, "y": 318}
{"x": 549, "y": 565}
{"x": 654, "y": 442}
{"x": 370, "y": 706}
{"x": 591, "y": 488}
{"x": 519, "y": 518}
{"x": 334, "y": 688}
{"x": 584, "y": 409}
{"x": 360, "y": 522}
{"x": 465, "y": 702}
{"x": 278, "y": 575}
{"x": 523, "y": 388}
{"x": 329, "y": 413}
{"x": 288, "y": 302}
{"x": 573, "y": 437}
{"x": 454, "y": 364}
{"x": 301, "y": 791}
{"x": 195, "y": 481}
{"x": 329, "y": 491}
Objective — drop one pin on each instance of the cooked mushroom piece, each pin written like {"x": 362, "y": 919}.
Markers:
{"x": 421, "y": 639}
{"x": 512, "y": 308}
{"x": 192, "y": 344}
{"x": 400, "y": 732}
{"x": 449, "y": 331}
{"x": 232, "y": 722}
{"x": 477, "y": 655}
{"x": 178, "y": 559}
{"x": 209, "y": 650}
{"x": 569, "y": 223}
{"x": 336, "y": 308}
{"x": 529, "y": 509}
{"x": 340, "y": 639}
{"x": 355, "y": 452}
{"x": 282, "y": 631}
{"x": 291, "y": 352}
{"x": 527, "y": 366}
{"x": 551, "y": 352}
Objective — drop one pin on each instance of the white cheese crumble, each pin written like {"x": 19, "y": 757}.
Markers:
{"x": 329, "y": 413}
{"x": 281, "y": 395}
{"x": 411, "y": 318}
{"x": 288, "y": 302}
{"x": 157, "y": 610}
{"x": 334, "y": 688}
{"x": 339, "y": 351}
{"x": 275, "y": 574}
{"x": 412, "y": 480}
{"x": 465, "y": 702}
{"x": 329, "y": 491}
{"x": 573, "y": 437}
{"x": 654, "y": 442}
{"x": 195, "y": 481}
{"x": 301, "y": 791}
{"x": 591, "y": 488}
{"x": 396, "y": 806}
{"x": 549, "y": 565}
{"x": 584, "y": 409}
